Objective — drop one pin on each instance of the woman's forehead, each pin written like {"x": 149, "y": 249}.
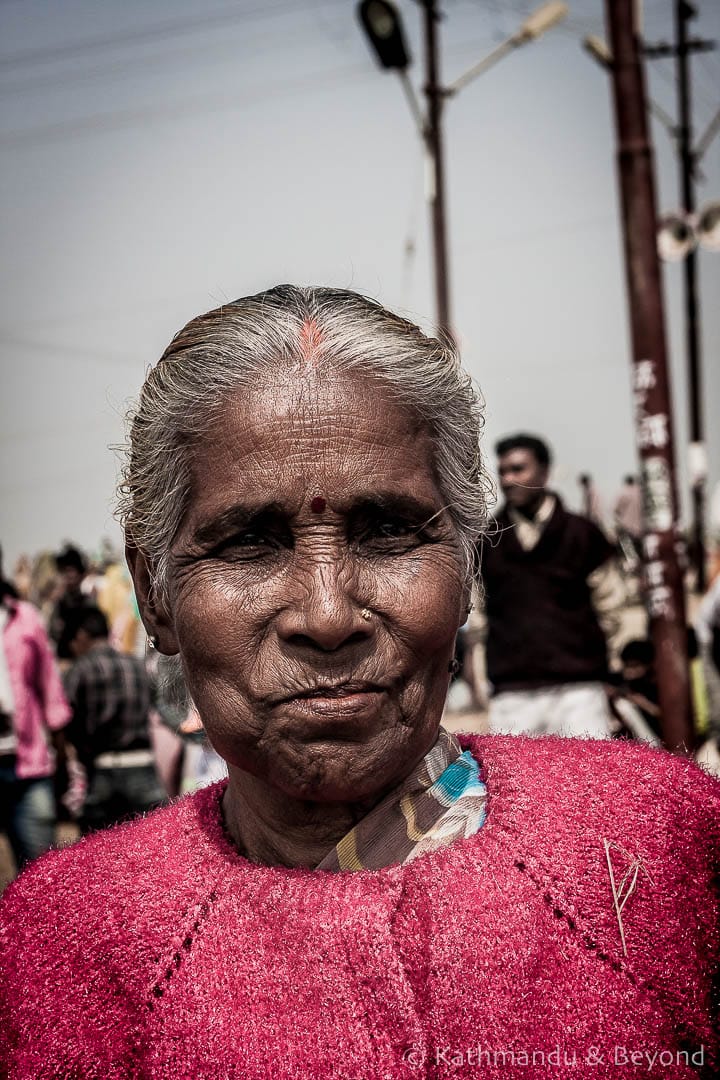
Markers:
{"x": 293, "y": 440}
{"x": 313, "y": 410}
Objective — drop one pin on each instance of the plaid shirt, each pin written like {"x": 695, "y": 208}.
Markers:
{"x": 111, "y": 696}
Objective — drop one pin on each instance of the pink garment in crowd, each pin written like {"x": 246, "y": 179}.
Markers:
{"x": 156, "y": 951}
{"x": 39, "y": 700}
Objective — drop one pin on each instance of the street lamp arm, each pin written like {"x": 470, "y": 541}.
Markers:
{"x": 413, "y": 104}
{"x": 598, "y": 50}
{"x": 487, "y": 62}
{"x": 537, "y": 23}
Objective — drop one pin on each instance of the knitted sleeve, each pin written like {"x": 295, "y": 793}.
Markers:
{"x": 49, "y": 1023}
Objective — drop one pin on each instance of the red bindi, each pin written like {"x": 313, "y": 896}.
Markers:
{"x": 318, "y": 504}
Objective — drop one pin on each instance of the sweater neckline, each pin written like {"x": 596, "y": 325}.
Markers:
{"x": 210, "y": 819}
{"x": 551, "y": 530}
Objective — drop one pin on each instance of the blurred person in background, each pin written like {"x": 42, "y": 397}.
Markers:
{"x": 628, "y": 520}
{"x": 714, "y": 532}
{"x": 111, "y": 698}
{"x": 22, "y": 576}
{"x": 552, "y": 594}
{"x": 707, "y": 633}
{"x": 116, "y": 599}
{"x": 45, "y": 585}
{"x": 71, "y": 567}
{"x": 33, "y": 714}
{"x": 637, "y": 681}
{"x": 591, "y": 502}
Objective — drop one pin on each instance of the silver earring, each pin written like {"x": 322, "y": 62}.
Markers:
{"x": 366, "y": 614}
{"x": 152, "y": 641}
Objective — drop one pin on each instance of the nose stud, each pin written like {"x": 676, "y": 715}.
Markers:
{"x": 366, "y": 614}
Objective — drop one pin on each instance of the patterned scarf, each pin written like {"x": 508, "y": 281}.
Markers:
{"x": 442, "y": 800}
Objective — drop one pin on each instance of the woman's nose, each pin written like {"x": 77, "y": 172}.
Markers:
{"x": 324, "y": 614}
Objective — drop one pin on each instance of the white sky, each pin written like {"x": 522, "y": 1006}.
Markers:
{"x": 162, "y": 157}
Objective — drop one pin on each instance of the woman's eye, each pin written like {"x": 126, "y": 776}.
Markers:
{"x": 392, "y": 529}
{"x": 245, "y": 539}
{"x": 393, "y": 534}
{"x": 247, "y": 543}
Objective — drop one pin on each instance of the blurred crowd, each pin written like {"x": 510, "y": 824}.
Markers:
{"x": 94, "y": 727}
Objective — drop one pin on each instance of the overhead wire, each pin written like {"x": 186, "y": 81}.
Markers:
{"x": 102, "y": 314}
{"x": 205, "y": 103}
{"x": 571, "y": 25}
{"x": 176, "y": 27}
{"x": 503, "y": 240}
{"x": 81, "y": 352}
{"x": 119, "y": 67}
{"x": 113, "y": 120}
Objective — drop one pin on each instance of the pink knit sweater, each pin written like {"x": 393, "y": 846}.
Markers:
{"x": 156, "y": 951}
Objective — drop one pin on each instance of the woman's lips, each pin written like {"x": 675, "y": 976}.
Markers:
{"x": 335, "y": 703}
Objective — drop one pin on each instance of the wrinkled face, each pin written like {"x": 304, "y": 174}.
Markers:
{"x": 317, "y": 588}
{"x": 522, "y": 478}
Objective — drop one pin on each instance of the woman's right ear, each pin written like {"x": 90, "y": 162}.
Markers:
{"x": 154, "y": 614}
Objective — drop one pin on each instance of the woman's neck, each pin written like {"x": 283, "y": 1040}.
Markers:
{"x": 273, "y": 829}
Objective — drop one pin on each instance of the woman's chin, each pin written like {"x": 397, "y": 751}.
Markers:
{"x": 327, "y": 772}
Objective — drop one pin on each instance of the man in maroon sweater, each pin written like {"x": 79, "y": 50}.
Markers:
{"x": 549, "y": 578}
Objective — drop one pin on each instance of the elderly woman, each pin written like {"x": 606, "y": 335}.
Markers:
{"x": 364, "y": 896}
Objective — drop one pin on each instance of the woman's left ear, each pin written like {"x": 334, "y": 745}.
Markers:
{"x": 153, "y": 612}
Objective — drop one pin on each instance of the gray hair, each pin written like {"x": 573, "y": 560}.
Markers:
{"x": 230, "y": 348}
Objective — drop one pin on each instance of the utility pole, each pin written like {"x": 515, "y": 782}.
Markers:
{"x": 383, "y": 26}
{"x": 688, "y": 158}
{"x": 697, "y": 463}
{"x": 436, "y": 165}
{"x": 653, "y": 413}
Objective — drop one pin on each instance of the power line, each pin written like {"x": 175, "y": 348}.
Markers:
{"x": 147, "y": 62}
{"x": 71, "y": 351}
{"x": 48, "y": 480}
{"x": 571, "y": 26}
{"x": 89, "y": 315}
{"x": 139, "y": 116}
{"x": 171, "y": 28}
{"x": 129, "y": 118}
{"x": 104, "y": 72}
{"x": 51, "y": 431}
{"x": 504, "y": 240}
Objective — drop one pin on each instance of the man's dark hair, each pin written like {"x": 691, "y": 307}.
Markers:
{"x": 522, "y": 441}
{"x": 92, "y": 621}
{"x": 70, "y": 558}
